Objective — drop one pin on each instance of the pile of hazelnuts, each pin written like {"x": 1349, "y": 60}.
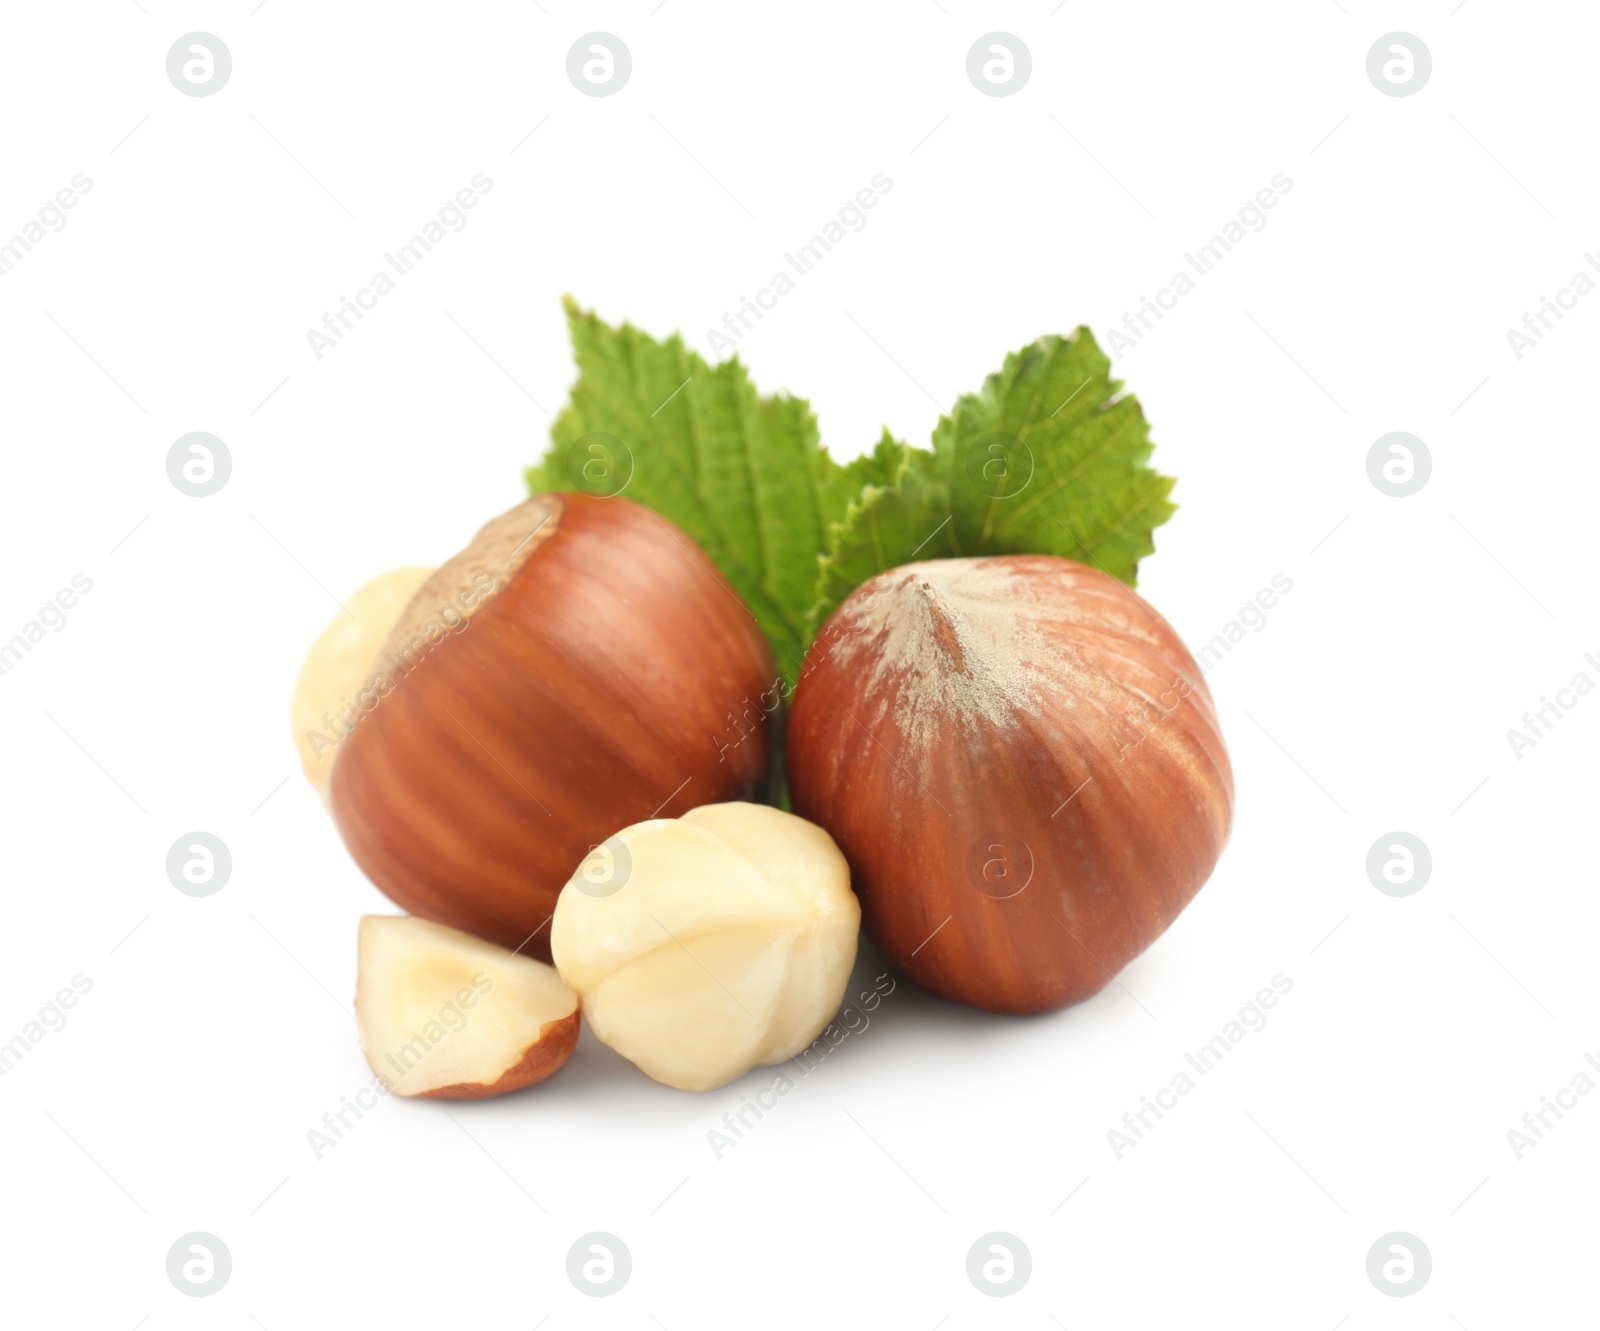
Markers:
{"x": 553, "y": 752}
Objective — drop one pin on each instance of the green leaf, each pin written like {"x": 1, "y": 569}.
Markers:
{"x": 744, "y": 475}
{"x": 903, "y": 511}
{"x": 1049, "y": 458}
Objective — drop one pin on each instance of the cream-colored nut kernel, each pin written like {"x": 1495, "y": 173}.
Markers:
{"x": 340, "y": 665}
{"x": 709, "y": 944}
{"x": 447, "y": 1016}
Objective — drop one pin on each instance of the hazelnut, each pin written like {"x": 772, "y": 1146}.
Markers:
{"x": 339, "y": 666}
{"x": 446, "y": 1016}
{"x": 571, "y": 671}
{"x": 1022, "y": 764}
{"x": 709, "y": 944}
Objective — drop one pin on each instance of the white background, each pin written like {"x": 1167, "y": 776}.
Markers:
{"x": 1378, "y": 696}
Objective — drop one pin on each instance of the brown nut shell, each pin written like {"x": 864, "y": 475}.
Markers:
{"x": 1021, "y": 762}
{"x": 576, "y": 669}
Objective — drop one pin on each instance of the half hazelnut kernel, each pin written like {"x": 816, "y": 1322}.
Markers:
{"x": 446, "y": 1016}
